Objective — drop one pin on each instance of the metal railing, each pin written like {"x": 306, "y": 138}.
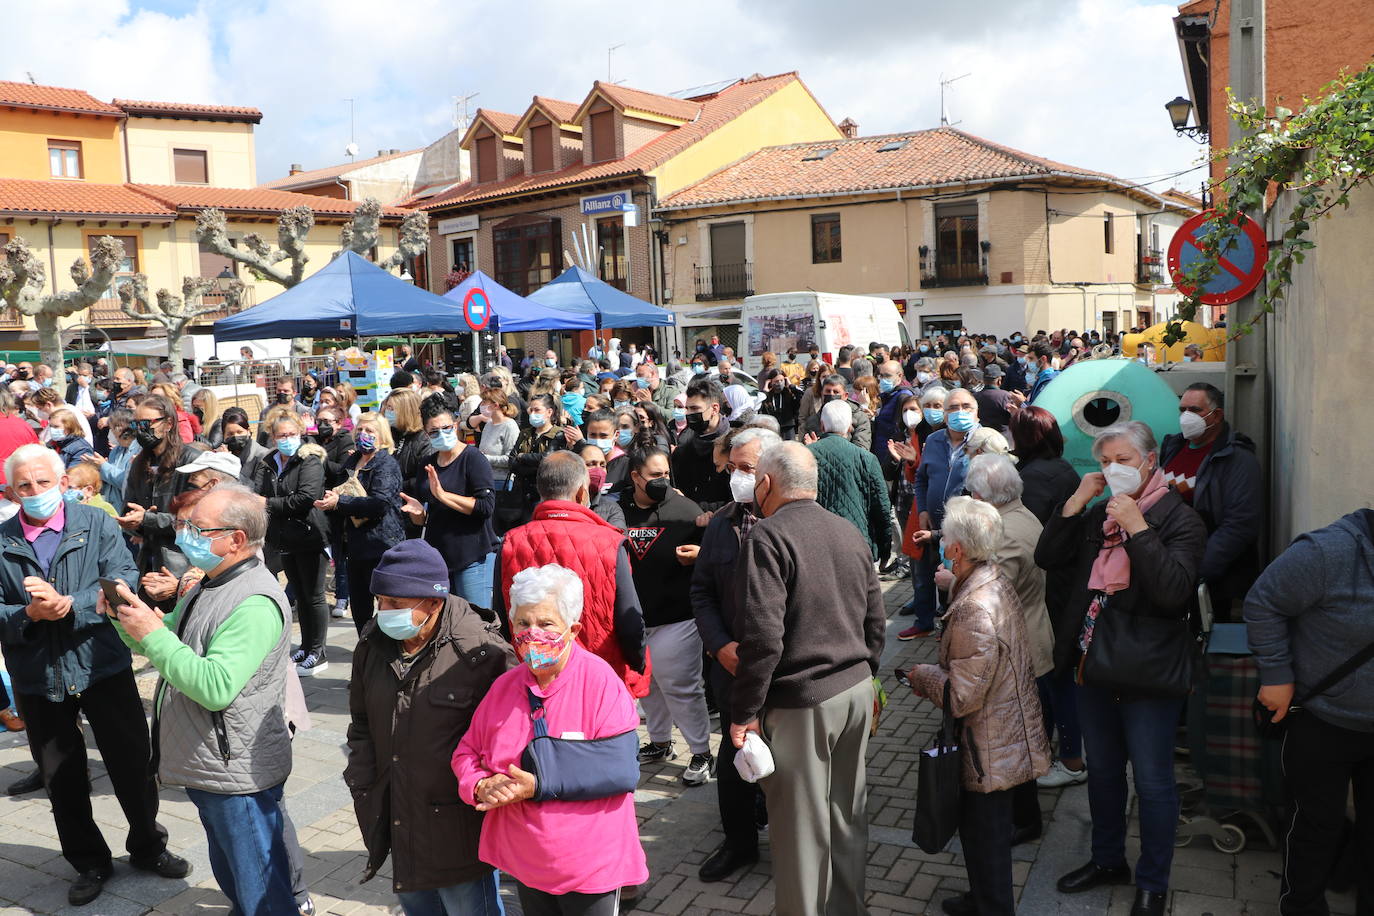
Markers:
{"x": 724, "y": 281}
{"x": 1151, "y": 266}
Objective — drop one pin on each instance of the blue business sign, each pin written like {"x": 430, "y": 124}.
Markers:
{"x": 606, "y": 203}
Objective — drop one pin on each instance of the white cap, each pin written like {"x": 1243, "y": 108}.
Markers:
{"x": 213, "y": 461}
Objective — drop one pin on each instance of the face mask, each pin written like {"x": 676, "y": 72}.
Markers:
{"x": 697, "y": 422}
{"x": 923, "y": 349}
{"x": 603, "y": 444}
{"x": 827, "y": 398}
{"x": 596, "y": 480}
{"x": 698, "y": 369}
{"x": 623, "y": 437}
{"x": 367, "y": 442}
{"x": 742, "y": 486}
{"x": 911, "y": 417}
{"x": 444, "y": 441}
{"x": 886, "y": 384}
{"x": 538, "y": 648}
{"x": 945, "y": 561}
{"x": 621, "y": 403}
{"x": 237, "y": 444}
{"x": 934, "y": 415}
{"x": 283, "y": 397}
{"x": 325, "y": 430}
{"x": 961, "y": 421}
{"x": 1193, "y": 426}
{"x": 103, "y": 403}
{"x": 41, "y": 414}
{"x": 538, "y": 419}
{"x": 397, "y": 623}
{"x": 656, "y": 489}
{"x": 1122, "y": 478}
{"x": 43, "y": 506}
{"x": 641, "y": 383}
{"x": 551, "y": 363}
{"x": 196, "y": 549}
{"x": 390, "y": 415}
{"x": 288, "y": 445}
{"x": 73, "y": 495}
{"x": 147, "y": 438}
{"x": 679, "y": 414}
{"x": 924, "y": 378}
{"x": 574, "y": 401}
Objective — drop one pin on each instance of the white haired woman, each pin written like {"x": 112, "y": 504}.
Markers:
{"x": 1134, "y": 562}
{"x": 577, "y": 696}
{"x": 985, "y": 661}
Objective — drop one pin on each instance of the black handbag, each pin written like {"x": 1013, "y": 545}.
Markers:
{"x": 567, "y": 769}
{"x": 1132, "y": 653}
{"x": 939, "y": 786}
{"x": 1264, "y": 717}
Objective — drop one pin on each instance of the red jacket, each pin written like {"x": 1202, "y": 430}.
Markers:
{"x": 576, "y": 538}
{"x": 14, "y": 432}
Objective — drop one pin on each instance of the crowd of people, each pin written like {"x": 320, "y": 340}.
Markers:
{"x": 534, "y": 555}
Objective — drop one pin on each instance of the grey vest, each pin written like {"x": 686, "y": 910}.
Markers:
{"x": 246, "y": 747}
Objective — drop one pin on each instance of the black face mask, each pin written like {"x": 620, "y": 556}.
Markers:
{"x": 325, "y": 430}
{"x": 283, "y": 397}
{"x": 237, "y": 444}
{"x": 656, "y": 489}
{"x": 827, "y": 398}
{"x": 147, "y": 438}
{"x": 697, "y": 422}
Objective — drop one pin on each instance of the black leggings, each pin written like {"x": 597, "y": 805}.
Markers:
{"x": 360, "y": 600}
{"x": 305, "y": 574}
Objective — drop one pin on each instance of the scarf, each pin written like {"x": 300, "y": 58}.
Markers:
{"x": 1111, "y": 570}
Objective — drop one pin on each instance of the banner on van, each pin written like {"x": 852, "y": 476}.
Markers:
{"x": 776, "y": 333}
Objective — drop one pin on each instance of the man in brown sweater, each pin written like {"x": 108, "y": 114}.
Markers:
{"x": 808, "y": 651}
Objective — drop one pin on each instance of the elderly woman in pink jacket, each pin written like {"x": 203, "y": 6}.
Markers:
{"x": 574, "y": 697}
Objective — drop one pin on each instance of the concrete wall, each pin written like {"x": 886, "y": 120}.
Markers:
{"x": 231, "y": 159}
{"x": 1318, "y": 353}
{"x": 24, "y": 137}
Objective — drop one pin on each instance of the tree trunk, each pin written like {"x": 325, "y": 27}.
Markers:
{"x": 175, "y": 332}
{"x": 302, "y": 347}
{"x": 49, "y": 341}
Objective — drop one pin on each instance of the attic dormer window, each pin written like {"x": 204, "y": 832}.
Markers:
{"x": 486, "y": 157}
{"x": 541, "y": 141}
{"x": 817, "y": 154}
{"x": 603, "y": 135}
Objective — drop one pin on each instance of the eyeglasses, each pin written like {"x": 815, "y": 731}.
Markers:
{"x": 183, "y": 525}
{"x": 145, "y": 424}
{"x": 742, "y": 468}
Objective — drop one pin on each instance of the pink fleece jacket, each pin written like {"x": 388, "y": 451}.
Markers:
{"x": 559, "y": 847}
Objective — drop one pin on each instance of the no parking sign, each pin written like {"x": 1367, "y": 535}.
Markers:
{"x": 1240, "y": 265}
{"x": 476, "y": 309}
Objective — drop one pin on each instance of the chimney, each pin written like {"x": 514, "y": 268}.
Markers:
{"x": 849, "y": 128}
{"x": 381, "y": 152}
{"x": 394, "y": 152}
{"x": 296, "y": 169}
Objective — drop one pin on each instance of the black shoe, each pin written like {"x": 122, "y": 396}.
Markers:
{"x": 88, "y": 885}
{"x": 1093, "y": 875}
{"x": 1149, "y": 903}
{"x": 907, "y": 610}
{"x": 959, "y": 906}
{"x": 1025, "y": 835}
{"x": 23, "y": 786}
{"x": 652, "y": 753}
{"x": 724, "y": 862}
{"x": 167, "y": 865}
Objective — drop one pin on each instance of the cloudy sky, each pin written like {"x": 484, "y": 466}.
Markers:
{"x": 1080, "y": 81}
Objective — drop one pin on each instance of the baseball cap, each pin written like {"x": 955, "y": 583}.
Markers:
{"x": 223, "y": 462}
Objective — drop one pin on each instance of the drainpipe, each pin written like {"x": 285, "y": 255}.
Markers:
{"x": 53, "y": 222}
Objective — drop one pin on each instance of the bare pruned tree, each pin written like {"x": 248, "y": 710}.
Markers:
{"x": 175, "y": 313}
{"x": 22, "y": 279}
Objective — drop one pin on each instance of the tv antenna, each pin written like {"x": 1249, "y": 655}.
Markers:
{"x": 460, "y": 110}
{"x": 944, "y": 115}
{"x": 609, "y": 51}
{"x": 351, "y": 149}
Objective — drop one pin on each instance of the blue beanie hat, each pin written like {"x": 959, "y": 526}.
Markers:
{"x": 411, "y": 569}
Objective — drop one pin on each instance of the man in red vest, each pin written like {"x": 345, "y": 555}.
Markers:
{"x": 564, "y": 531}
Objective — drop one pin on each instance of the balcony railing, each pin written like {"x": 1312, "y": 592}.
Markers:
{"x": 724, "y": 281}
{"x": 1151, "y": 267}
{"x": 957, "y": 274}
{"x": 11, "y": 320}
{"x": 107, "y": 312}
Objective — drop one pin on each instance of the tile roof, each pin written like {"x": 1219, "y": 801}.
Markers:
{"x": 941, "y": 156}
{"x": 54, "y": 98}
{"x": 255, "y": 200}
{"x": 190, "y": 111}
{"x": 502, "y": 120}
{"x": 651, "y": 102}
{"x": 315, "y": 176}
{"x": 19, "y": 195}
{"x": 561, "y": 110}
{"x": 715, "y": 111}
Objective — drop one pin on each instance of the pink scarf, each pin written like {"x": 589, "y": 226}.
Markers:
{"x": 1111, "y": 570}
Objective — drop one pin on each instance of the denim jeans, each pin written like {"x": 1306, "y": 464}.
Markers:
{"x": 1059, "y": 699}
{"x": 247, "y": 850}
{"x": 473, "y": 583}
{"x": 480, "y": 897}
{"x": 1139, "y": 732}
{"x": 923, "y": 598}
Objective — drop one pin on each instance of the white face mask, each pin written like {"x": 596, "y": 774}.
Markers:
{"x": 742, "y": 486}
{"x": 1193, "y": 426}
{"x": 911, "y": 417}
{"x": 1122, "y": 478}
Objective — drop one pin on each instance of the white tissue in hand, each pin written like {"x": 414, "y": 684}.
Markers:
{"x": 754, "y": 761}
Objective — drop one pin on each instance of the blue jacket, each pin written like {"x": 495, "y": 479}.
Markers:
{"x": 1046, "y": 376}
{"x": 886, "y": 426}
{"x": 382, "y": 529}
{"x": 57, "y": 658}
{"x": 940, "y": 474}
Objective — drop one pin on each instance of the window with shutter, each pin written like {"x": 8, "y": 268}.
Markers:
{"x": 486, "y": 159}
{"x": 190, "y": 166}
{"x": 541, "y": 138}
{"x": 603, "y": 136}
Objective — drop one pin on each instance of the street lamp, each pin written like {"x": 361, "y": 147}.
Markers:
{"x": 1179, "y": 109}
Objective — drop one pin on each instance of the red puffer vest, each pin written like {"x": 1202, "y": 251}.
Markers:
{"x": 576, "y": 538}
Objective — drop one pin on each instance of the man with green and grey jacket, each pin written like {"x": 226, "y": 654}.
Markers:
{"x": 850, "y": 480}
{"x": 219, "y": 728}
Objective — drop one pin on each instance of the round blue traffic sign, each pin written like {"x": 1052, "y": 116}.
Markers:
{"x": 1239, "y": 268}
{"x": 476, "y": 309}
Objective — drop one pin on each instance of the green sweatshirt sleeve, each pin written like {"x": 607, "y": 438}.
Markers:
{"x": 234, "y": 654}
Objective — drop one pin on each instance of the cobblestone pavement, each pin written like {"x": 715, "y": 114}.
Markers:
{"x": 679, "y": 827}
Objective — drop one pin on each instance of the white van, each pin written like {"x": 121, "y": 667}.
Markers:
{"x": 777, "y": 321}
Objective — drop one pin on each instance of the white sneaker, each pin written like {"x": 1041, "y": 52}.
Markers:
{"x": 311, "y": 665}
{"x": 339, "y": 611}
{"x": 1060, "y": 776}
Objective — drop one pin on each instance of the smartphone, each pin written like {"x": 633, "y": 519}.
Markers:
{"x": 111, "y": 589}
{"x": 901, "y": 674}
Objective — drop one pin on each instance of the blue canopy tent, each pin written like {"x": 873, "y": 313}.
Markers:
{"x": 350, "y": 297}
{"x": 512, "y": 312}
{"x": 575, "y": 290}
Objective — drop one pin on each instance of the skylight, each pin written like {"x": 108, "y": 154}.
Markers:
{"x": 818, "y": 154}
{"x": 893, "y": 145}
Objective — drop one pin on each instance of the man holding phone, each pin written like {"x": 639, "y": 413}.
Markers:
{"x": 66, "y": 660}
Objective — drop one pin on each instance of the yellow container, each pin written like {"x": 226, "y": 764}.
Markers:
{"x": 1212, "y": 341}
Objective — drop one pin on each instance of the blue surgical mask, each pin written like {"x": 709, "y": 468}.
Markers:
{"x": 961, "y": 421}
{"x": 622, "y": 403}
{"x": 679, "y": 414}
{"x": 103, "y": 403}
{"x": 444, "y": 441}
{"x": 945, "y": 561}
{"x": 641, "y": 383}
{"x": 934, "y": 415}
{"x": 72, "y": 495}
{"x": 698, "y": 369}
{"x": 623, "y": 437}
{"x": 196, "y": 549}
{"x": 389, "y": 416}
{"x": 603, "y": 444}
{"x": 538, "y": 419}
{"x": 923, "y": 349}
{"x": 397, "y": 623}
{"x": 43, "y": 506}
{"x": 886, "y": 384}
{"x": 288, "y": 445}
